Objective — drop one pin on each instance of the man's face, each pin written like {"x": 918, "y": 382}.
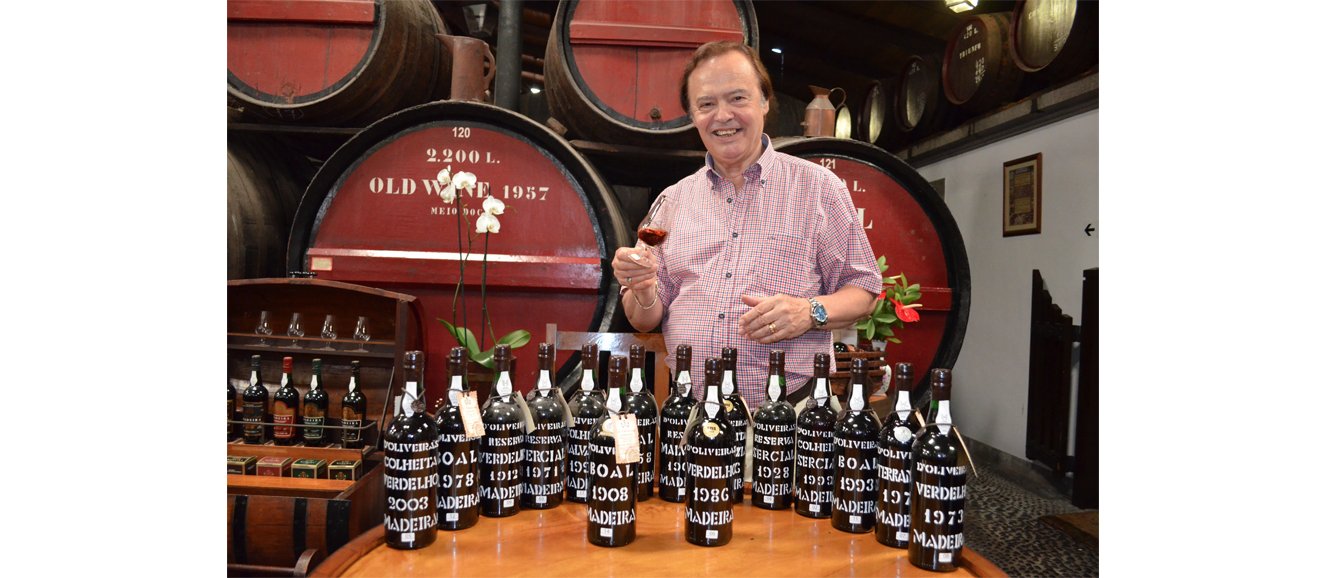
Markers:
{"x": 728, "y": 110}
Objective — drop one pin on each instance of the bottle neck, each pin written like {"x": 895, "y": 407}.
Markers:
{"x": 545, "y": 381}
{"x": 313, "y": 381}
{"x": 354, "y": 384}
{"x": 285, "y": 380}
{"x": 821, "y": 391}
{"x": 712, "y": 399}
{"x": 254, "y": 380}
{"x": 587, "y": 381}
{"x": 408, "y": 400}
{"x": 637, "y": 380}
{"x": 903, "y": 405}
{"x": 777, "y": 387}
{"x": 857, "y": 400}
{"x": 614, "y": 398}
{"x": 683, "y": 381}
{"x": 455, "y": 389}
{"x": 502, "y": 384}
{"x": 729, "y": 382}
{"x": 942, "y": 417}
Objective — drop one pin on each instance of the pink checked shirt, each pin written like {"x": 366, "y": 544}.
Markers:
{"x": 792, "y": 230}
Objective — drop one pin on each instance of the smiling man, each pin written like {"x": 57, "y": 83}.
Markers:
{"x": 764, "y": 252}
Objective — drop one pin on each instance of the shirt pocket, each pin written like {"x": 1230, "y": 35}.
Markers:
{"x": 786, "y": 265}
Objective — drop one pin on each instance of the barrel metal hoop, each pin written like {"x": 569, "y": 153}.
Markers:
{"x": 299, "y": 527}
{"x": 237, "y": 517}
{"x": 338, "y": 524}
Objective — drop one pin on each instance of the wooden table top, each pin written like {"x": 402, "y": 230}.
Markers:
{"x": 553, "y": 543}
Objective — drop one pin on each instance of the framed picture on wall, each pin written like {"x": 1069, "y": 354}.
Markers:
{"x": 1022, "y": 196}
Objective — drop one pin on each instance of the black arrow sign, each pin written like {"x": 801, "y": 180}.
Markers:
{"x": 1089, "y": 229}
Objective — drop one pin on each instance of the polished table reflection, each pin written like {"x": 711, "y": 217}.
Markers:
{"x": 553, "y": 543}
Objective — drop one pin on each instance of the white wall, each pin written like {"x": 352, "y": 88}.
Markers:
{"x": 990, "y": 376}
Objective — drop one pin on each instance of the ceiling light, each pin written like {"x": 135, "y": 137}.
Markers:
{"x": 961, "y": 5}
{"x": 777, "y": 50}
{"x": 535, "y": 90}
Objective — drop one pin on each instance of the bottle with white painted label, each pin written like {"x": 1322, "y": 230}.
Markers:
{"x": 739, "y": 417}
{"x": 893, "y": 512}
{"x": 410, "y": 462}
{"x": 255, "y": 404}
{"x": 709, "y": 460}
{"x": 458, "y": 470}
{"x": 855, "y": 438}
{"x": 586, "y": 407}
{"x": 939, "y": 486}
{"x": 545, "y": 446}
{"x": 814, "y": 467}
{"x": 672, "y": 426}
{"x": 502, "y": 447}
{"x": 612, "y": 486}
{"x": 774, "y": 449}
{"x": 639, "y": 400}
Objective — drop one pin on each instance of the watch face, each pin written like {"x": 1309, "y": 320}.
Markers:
{"x": 817, "y": 311}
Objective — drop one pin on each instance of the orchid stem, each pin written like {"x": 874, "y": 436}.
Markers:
{"x": 483, "y": 297}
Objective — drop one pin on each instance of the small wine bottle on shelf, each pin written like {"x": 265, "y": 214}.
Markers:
{"x": 410, "y": 459}
{"x": 612, "y": 485}
{"x": 709, "y": 460}
{"x": 545, "y": 455}
{"x": 586, "y": 409}
{"x": 353, "y": 407}
{"x": 502, "y": 447}
{"x": 315, "y": 409}
{"x": 639, "y": 400}
{"x": 814, "y": 475}
{"x": 255, "y": 404}
{"x": 458, "y": 453}
{"x": 672, "y": 427}
{"x": 855, "y": 435}
{"x": 285, "y": 405}
{"x": 774, "y": 449}
{"x": 739, "y": 417}
{"x": 939, "y": 486}
{"x": 893, "y": 513}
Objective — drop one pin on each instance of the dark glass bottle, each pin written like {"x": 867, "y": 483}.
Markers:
{"x": 612, "y": 486}
{"x": 285, "y": 405}
{"x": 939, "y": 486}
{"x": 502, "y": 448}
{"x": 458, "y": 454}
{"x": 672, "y": 427}
{"x": 639, "y": 400}
{"x": 739, "y": 417}
{"x": 709, "y": 460}
{"x": 893, "y": 512}
{"x": 353, "y": 407}
{"x": 255, "y": 404}
{"x": 315, "y": 409}
{"x": 774, "y": 449}
{"x": 586, "y": 409}
{"x": 814, "y": 474}
{"x": 231, "y": 394}
{"x": 855, "y": 435}
{"x": 410, "y": 460}
{"x": 545, "y": 453}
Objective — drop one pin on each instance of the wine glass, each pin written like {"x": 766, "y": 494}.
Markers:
{"x": 654, "y": 228}
{"x": 329, "y": 331}
{"x": 264, "y": 327}
{"x": 296, "y": 329}
{"x": 361, "y": 333}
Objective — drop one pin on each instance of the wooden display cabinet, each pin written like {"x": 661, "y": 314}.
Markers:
{"x": 283, "y": 525}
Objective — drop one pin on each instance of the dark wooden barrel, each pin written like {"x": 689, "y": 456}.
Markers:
{"x": 906, "y": 221}
{"x": 920, "y": 108}
{"x": 1055, "y": 39}
{"x": 979, "y": 73}
{"x": 842, "y": 126}
{"x": 334, "y": 62}
{"x": 264, "y": 181}
{"x": 875, "y": 122}
{"x": 275, "y": 531}
{"x": 613, "y": 69}
{"x": 371, "y": 216}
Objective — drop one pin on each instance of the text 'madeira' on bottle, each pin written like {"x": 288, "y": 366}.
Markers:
{"x": 610, "y": 507}
{"x": 709, "y": 458}
{"x": 939, "y": 486}
{"x": 410, "y": 460}
{"x": 458, "y": 450}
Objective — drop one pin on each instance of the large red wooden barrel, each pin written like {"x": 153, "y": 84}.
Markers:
{"x": 1054, "y": 39}
{"x": 979, "y": 73}
{"x": 613, "y": 69}
{"x": 263, "y": 184}
{"x": 920, "y": 107}
{"x": 907, "y": 222}
{"x": 334, "y": 62}
{"x": 373, "y": 216}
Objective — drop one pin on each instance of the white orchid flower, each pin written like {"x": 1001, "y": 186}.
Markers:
{"x": 448, "y": 192}
{"x": 464, "y": 180}
{"x": 444, "y": 175}
{"x": 493, "y": 206}
{"x": 487, "y": 223}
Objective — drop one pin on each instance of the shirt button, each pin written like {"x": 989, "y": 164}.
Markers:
{"x": 734, "y": 235}
{"x": 720, "y": 315}
{"x": 729, "y": 275}
{"x": 729, "y": 199}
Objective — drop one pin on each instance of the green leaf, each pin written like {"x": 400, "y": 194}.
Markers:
{"x": 909, "y": 299}
{"x": 914, "y": 287}
{"x": 880, "y": 307}
{"x": 904, "y": 279}
{"x": 882, "y": 266}
{"x": 886, "y": 318}
{"x": 484, "y": 358}
{"x": 863, "y": 323}
{"x": 870, "y": 331}
{"x": 515, "y": 339}
{"x": 894, "y": 339}
{"x": 884, "y": 330}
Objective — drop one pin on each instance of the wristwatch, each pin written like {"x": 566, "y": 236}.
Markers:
{"x": 817, "y": 313}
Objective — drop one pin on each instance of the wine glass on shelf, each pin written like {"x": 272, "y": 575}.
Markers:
{"x": 361, "y": 333}
{"x": 654, "y": 228}
{"x": 329, "y": 331}
{"x": 296, "y": 329}
{"x": 264, "y": 328}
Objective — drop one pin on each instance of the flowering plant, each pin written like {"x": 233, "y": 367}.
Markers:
{"x": 486, "y": 224}
{"x": 893, "y": 308}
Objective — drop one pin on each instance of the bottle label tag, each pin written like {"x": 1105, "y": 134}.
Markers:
{"x": 902, "y": 434}
{"x": 524, "y": 413}
{"x": 455, "y": 390}
{"x": 683, "y": 379}
{"x": 904, "y": 405}
{"x": 711, "y": 534}
{"x": 253, "y": 379}
{"x": 942, "y": 417}
{"x": 353, "y": 384}
{"x": 710, "y": 410}
{"x": 587, "y": 382}
{"x": 637, "y": 380}
{"x": 313, "y": 382}
{"x": 728, "y": 383}
{"x": 541, "y": 387}
{"x": 821, "y": 391}
{"x": 285, "y": 379}
{"x": 775, "y": 387}
{"x": 627, "y": 438}
{"x": 614, "y": 399}
{"x": 469, "y": 414}
{"x": 858, "y": 400}
{"x": 503, "y": 385}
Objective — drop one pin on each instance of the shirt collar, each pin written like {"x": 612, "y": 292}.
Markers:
{"x": 753, "y": 172}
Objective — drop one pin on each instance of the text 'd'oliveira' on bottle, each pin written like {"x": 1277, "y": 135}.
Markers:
{"x": 939, "y": 486}
{"x": 814, "y": 451}
{"x": 410, "y": 460}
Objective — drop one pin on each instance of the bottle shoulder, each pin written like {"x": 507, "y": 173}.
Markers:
{"x": 820, "y": 417}
{"x": 857, "y": 424}
{"x": 410, "y": 429}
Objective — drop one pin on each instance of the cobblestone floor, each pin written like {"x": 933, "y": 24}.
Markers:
{"x": 1002, "y": 526}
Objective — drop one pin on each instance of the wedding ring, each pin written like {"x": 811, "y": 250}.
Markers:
{"x": 628, "y": 280}
{"x": 772, "y": 329}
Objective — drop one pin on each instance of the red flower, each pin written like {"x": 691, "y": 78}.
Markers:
{"x": 904, "y": 313}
